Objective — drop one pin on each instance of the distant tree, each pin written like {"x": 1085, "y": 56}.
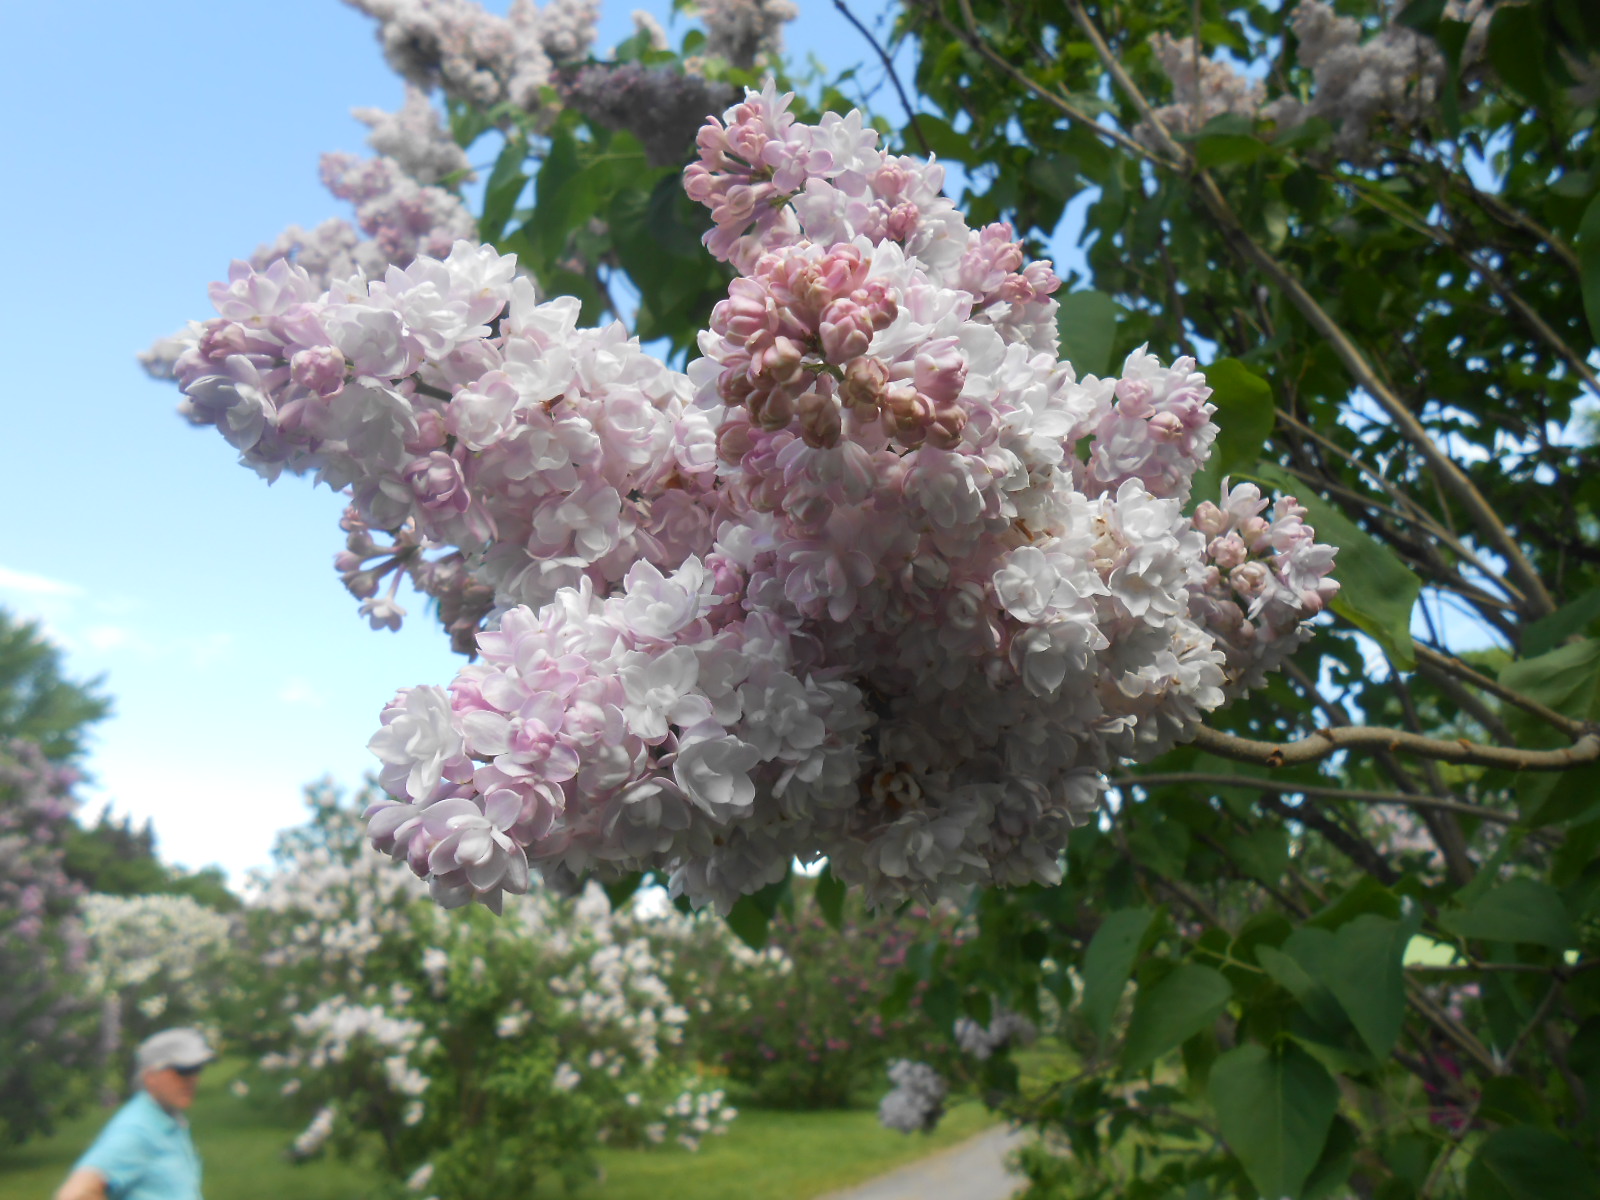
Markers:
{"x": 37, "y": 702}
{"x": 118, "y": 858}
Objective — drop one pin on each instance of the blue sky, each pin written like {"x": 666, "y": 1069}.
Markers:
{"x": 149, "y": 144}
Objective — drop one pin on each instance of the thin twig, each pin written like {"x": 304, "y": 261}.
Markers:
{"x": 1290, "y": 788}
{"x": 894, "y": 77}
{"x": 973, "y": 39}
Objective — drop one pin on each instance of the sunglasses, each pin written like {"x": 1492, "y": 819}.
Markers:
{"x": 189, "y": 1072}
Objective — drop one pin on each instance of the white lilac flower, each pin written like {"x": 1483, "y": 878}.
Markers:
{"x": 916, "y": 1102}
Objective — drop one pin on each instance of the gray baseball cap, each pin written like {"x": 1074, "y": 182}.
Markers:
{"x": 183, "y": 1048}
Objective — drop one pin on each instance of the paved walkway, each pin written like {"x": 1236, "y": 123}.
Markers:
{"x": 972, "y": 1170}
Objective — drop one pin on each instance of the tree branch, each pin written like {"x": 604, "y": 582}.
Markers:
{"x": 1322, "y": 743}
{"x": 1448, "y": 664}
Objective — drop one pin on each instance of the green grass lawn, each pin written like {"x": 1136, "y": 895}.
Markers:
{"x": 773, "y": 1155}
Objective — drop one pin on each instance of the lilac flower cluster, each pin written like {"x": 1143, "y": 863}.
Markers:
{"x": 46, "y": 1022}
{"x": 1395, "y": 76}
{"x": 661, "y": 105}
{"x": 1005, "y": 1028}
{"x": 400, "y": 208}
{"x": 156, "y": 961}
{"x": 1357, "y": 83}
{"x": 1262, "y": 579}
{"x": 415, "y": 140}
{"x": 745, "y": 33}
{"x": 880, "y": 578}
{"x": 477, "y": 57}
{"x": 1202, "y": 87}
{"x": 916, "y": 1103}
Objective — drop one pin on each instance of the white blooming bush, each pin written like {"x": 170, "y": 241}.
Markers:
{"x": 879, "y": 578}
{"x": 482, "y": 1053}
{"x": 155, "y": 962}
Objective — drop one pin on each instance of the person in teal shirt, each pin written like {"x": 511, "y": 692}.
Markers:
{"x": 145, "y": 1152}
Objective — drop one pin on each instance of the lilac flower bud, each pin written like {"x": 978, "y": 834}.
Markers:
{"x": 320, "y": 368}
{"x": 864, "y": 381}
{"x": 430, "y": 432}
{"x": 437, "y": 483}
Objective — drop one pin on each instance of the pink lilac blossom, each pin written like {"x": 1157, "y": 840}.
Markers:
{"x": 879, "y": 578}
{"x": 399, "y": 208}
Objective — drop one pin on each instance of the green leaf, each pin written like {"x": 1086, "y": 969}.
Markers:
{"x": 1180, "y": 1005}
{"x": 1549, "y": 632}
{"x": 941, "y": 136}
{"x": 1365, "y": 895}
{"x": 1333, "y": 1168}
{"x": 752, "y": 914}
{"x": 1517, "y": 51}
{"x": 1227, "y": 149}
{"x": 1244, "y": 422}
{"x": 1421, "y": 15}
{"x": 830, "y": 897}
{"x": 1362, "y": 967}
{"x": 1286, "y": 970}
{"x": 1570, "y": 796}
{"x": 1519, "y": 910}
{"x": 1108, "y": 962}
{"x": 1263, "y": 853}
{"x": 505, "y": 185}
{"x": 1376, "y": 590}
{"x": 1275, "y": 1110}
{"x": 623, "y": 889}
{"x": 1522, "y": 1163}
{"x": 1566, "y": 679}
{"x": 1589, "y": 265}
{"x": 1088, "y": 325}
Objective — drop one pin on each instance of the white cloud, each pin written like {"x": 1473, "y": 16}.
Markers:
{"x": 30, "y": 584}
{"x": 110, "y": 637}
{"x": 209, "y": 649}
{"x": 300, "y": 691}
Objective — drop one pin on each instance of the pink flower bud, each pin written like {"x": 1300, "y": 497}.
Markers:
{"x": 320, "y": 368}
{"x": 1134, "y": 394}
{"x": 747, "y": 314}
{"x": 1251, "y": 579}
{"x": 772, "y": 408}
{"x": 846, "y": 330}
{"x": 864, "y": 381}
{"x": 780, "y": 361}
{"x": 734, "y": 440}
{"x": 430, "y": 432}
{"x": 1227, "y": 552}
{"x": 437, "y": 483}
{"x": 903, "y": 221}
{"x": 819, "y": 420}
{"x": 1166, "y": 427}
{"x": 1209, "y": 519}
